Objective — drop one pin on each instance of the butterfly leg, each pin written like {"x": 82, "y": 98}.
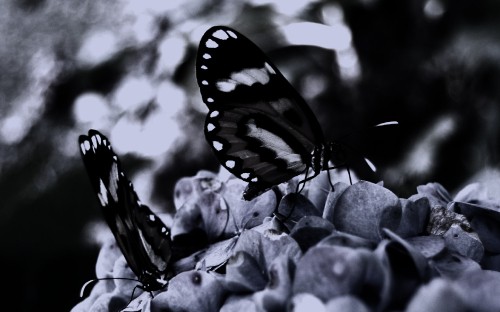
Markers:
{"x": 337, "y": 167}
{"x": 299, "y": 188}
{"x": 349, "y": 173}
{"x": 330, "y": 179}
{"x": 132, "y": 295}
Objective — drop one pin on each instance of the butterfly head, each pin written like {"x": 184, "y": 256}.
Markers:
{"x": 151, "y": 282}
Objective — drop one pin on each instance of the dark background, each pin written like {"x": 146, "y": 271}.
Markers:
{"x": 67, "y": 66}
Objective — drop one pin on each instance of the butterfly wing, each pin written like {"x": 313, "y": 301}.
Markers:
{"x": 259, "y": 127}
{"x": 142, "y": 237}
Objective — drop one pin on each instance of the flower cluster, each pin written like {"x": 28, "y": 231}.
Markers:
{"x": 355, "y": 248}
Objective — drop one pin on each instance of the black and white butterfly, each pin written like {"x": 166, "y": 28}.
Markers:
{"x": 259, "y": 127}
{"x": 142, "y": 237}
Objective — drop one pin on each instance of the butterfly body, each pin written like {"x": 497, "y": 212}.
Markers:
{"x": 258, "y": 126}
{"x": 142, "y": 237}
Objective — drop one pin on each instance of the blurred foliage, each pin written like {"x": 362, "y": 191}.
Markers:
{"x": 432, "y": 65}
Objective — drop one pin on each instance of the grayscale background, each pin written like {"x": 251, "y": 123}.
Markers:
{"x": 126, "y": 68}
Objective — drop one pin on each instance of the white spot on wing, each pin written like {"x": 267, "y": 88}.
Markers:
{"x": 245, "y": 175}
{"x": 152, "y": 217}
{"x": 113, "y": 181}
{"x": 94, "y": 141}
{"x": 82, "y": 148}
{"x": 87, "y": 145}
{"x": 248, "y": 77}
{"x": 232, "y": 34}
{"x": 254, "y": 179}
{"x": 153, "y": 257}
{"x": 207, "y": 56}
{"x": 210, "y": 127}
{"x": 277, "y": 144}
{"x": 210, "y": 100}
{"x": 214, "y": 114}
{"x": 230, "y": 164}
{"x": 102, "y": 195}
{"x": 99, "y": 139}
{"x": 204, "y": 82}
{"x": 217, "y": 145}
{"x": 371, "y": 165}
{"x": 211, "y": 44}
{"x": 269, "y": 68}
{"x": 203, "y": 67}
{"x": 387, "y": 123}
{"x": 226, "y": 85}
{"x": 220, "y": 34}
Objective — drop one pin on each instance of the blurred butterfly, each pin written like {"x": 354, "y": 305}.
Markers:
{"x": 258, "y": 126}
{"x": 142, "y": 237}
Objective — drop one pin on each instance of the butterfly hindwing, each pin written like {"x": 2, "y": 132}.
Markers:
{"x": 259, "y": 127}
{"x": 142, "y": 237}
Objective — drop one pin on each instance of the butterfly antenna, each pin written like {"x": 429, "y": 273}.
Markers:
{"x": 82, "y": 290}
{"x": 382, "y": 124}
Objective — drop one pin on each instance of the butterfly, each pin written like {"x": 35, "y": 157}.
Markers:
{"x": 258, "y": 125}
{"x": 142, "y": 237}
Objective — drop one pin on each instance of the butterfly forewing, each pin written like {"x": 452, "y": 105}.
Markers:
{"x": 142, "y": 237}
{"x": 259, "y": 127}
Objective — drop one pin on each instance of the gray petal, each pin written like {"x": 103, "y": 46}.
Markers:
{"x": 318, "y": 190}
{"x": 294, "y": 207}
{"x": 108, "y": 302}
{"x": 191, "y": 187}
{"x": 239, "y": 303}
{"x": 452, "y": 265}
{"x": 406, "y": 270}
{"x": 465, "y": 243}
{"x": 244, "y": 274}
{"x": 278, "y": 290}
{"x": 187, "y": 218}
{"x": 337, "y": 238}
{"x": 481, "y": 288}
{"x": 486, "y": 223}
{"x": 267, "y": 246}
{"x": 439, "y": 295}
{"x": 437, "y": 194}
{"x": 331, "y": 200}
{"x": 108, "y": 255}
{"x": 330, "y": 271}
{"x": 305, "y": 302}
{"x": 365, "y": 208}
{"x": 415, "y": 215}
{"x": 471, "y": 193}
{"x": 346, "y": 304}
{"x": 246, "y": 214}
{"x": 429, "y": 246}
{"x": 190, "y": 291}
{"x": 122, "y": 270}
{"x": 310, "y": 230}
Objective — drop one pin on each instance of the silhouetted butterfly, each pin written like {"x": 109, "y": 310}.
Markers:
{"x": 259, "y": 127}
{"x": 142, "y": 237}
